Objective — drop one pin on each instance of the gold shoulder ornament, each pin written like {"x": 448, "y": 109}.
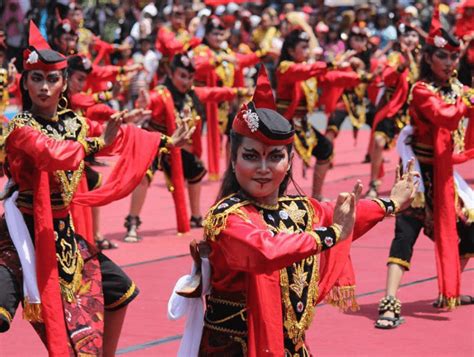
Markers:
{"x": 216, "y": 220}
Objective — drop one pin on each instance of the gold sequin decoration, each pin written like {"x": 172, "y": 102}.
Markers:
{"x": 294, "y": 327}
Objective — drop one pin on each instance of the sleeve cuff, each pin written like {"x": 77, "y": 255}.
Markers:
{"x": 93, "y": 145}
{"x": 102, "y": 97}
{"x": 366, "y": 77}
{"x": 389, "y": 206}
{"x": 261, "y": 53}
{"x": 165, "y": 144}
{"x": 326, "y": 237}
{"x": 6, "y": 317}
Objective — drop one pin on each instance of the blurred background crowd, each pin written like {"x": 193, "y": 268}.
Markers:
{"x": 130, "y": 27}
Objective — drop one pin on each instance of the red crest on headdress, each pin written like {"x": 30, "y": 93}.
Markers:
{"x": 35, "y": 39}
{"x": 435, "y": 36}
{"x": 263, "y": 96}
{"x": 32, "y": 57}
{"x": 247, "y": 121}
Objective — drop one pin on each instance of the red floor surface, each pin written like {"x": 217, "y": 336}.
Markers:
{"x": 161, "y": 258}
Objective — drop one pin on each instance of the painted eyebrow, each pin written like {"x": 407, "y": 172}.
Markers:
{"x": 251, "y": 150}
{"x": 277, "y": 150}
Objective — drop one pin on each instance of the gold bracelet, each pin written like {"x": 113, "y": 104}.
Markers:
{"x": 337, "y": 230}
{"x": 317, "y": 239}
{"x": 261, "y": 53}
{"x": 169, "y": 142}
{"x": 396, "y": 206}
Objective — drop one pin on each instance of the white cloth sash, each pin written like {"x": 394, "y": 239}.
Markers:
{"x": 179, "y": 306}
{"x": 21, "y": 239}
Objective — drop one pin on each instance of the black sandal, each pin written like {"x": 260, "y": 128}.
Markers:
{"x": 105, "y": 244}
{"x": 132, "y": 223}
{"x": 392, "y": 304}
{"x": 466, "y": 300}
{"x": 196, "y": 222}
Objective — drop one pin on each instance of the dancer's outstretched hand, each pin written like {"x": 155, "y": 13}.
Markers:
{"x": 143, "y": 100}
{"x": 345, "y": 210}
{"x": 137, "y": 115}
{"x": 405, "y": 187}
{"x": 113, "y": 126}
{"x": 183, "y": 132}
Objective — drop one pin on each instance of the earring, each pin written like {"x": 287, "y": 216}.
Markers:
{"x": 63, "y": 104}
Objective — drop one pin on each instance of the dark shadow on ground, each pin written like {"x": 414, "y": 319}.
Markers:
{"x": 422, "y": 309}
{"x": 154, "y": 233}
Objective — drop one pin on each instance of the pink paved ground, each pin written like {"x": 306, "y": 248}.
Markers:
{"x": 160, "y": 259}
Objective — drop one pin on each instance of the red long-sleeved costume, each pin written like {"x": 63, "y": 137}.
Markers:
{"x": 397, "y": 79}
{"x": 246, "y": 259}
{"x": 294, "y": 89}
{"x": 39, "y": 155}
{"x": 434, "y": 116}
{"x": 29, "y": 148}
{"x": 98, "y": 79}
{"x": 212, "y": 73}
{"x": 205, "y": 94}
{"x": 163, "y": 119}
{"x": 169, "y": 42}
{"x": 93, "y": 110}
{"x": 244, "y": 247}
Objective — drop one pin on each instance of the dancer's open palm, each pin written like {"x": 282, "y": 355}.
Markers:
{"x": 345, "y": 210}
{"x": 405, "y": 187}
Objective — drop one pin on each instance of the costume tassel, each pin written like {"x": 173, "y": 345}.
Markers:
{"x": 343, "y": 297}
{"x": 450, "y": 303}
{"x": 32, "y": 311}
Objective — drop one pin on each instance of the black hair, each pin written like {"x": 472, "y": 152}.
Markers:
{"x": 78, "y": 63}
{"x": 177, "y": 62}
{"x": 397, "y": 44}
{"x": 293, "y": 38}
{"x": 425, "y": 68}
{"x": 230, "y": 184}
{"x": 364, "y": 56}
{"x": 26, "y": 99}
{"x": 405, "y": 28}
{"x": 210, "y": 26}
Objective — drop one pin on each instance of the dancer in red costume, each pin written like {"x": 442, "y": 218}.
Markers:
{"x": 398, "y": 76}
{"x": 173, "y": 38}
{"x": 357, "y": 103}
{"x": 169, "y": 103}
{"x": 439, "y": 102}
{"x": 298, "y": 82}
{"x": 222, "y": 67}
{"x": 91, "y": 107}
{"x": 266, "y": 246}
{"x": 74, "y": 296}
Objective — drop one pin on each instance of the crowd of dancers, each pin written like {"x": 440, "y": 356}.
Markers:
{"x": 248, "y": 80}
